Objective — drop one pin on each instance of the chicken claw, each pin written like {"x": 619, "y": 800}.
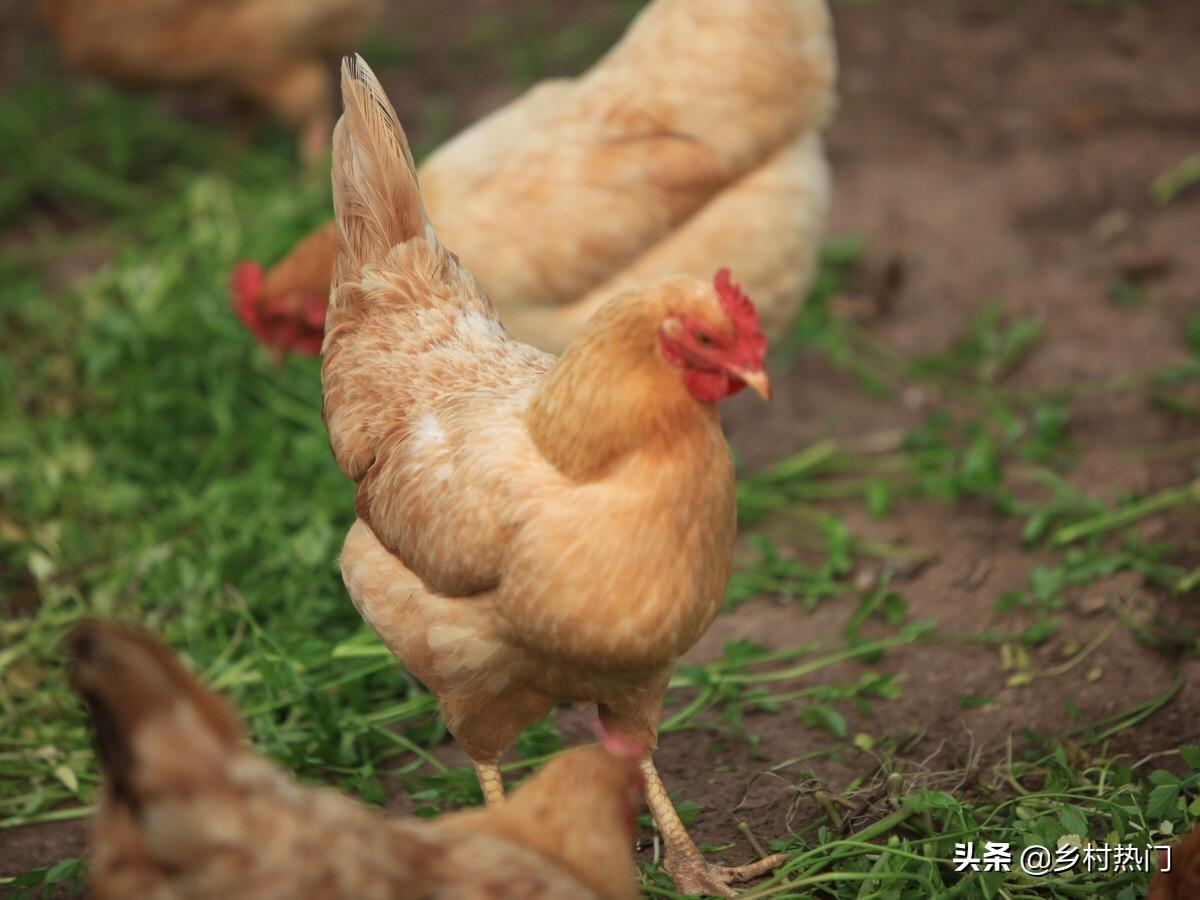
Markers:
{"x": 698, "y": 877}
{"x": 691, "y": 872}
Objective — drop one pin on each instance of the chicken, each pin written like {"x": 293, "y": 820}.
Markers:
{"x": 188, "y": 810}
{"x": 696, "y": 137}
{"x": 530, "y": 531}
{"x": 285, "y": 308}
{"x": 1182, "y": 882}
{"x": 270, "y": 52}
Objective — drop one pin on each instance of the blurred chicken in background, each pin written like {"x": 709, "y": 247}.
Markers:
{"x": 188, "y": 810}
{"x": 697, "y": 137}
{"x": 273, "y": 53}
{"x": 284, "y": 308}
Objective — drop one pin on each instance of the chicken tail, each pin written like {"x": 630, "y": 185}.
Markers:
{"x": 133, "y": 686}
{"x": 375, "y": 193}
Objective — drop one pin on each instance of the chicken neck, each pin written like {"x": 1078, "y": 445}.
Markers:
{"x": 612, "y": 393}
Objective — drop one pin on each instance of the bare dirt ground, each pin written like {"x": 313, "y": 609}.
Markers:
{"x": 1000, "y": 151}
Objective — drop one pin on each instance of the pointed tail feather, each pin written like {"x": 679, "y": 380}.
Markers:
{"x": 375, "y": 193}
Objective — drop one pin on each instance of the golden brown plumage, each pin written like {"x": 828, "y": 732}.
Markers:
{"x": 696, "y": 138}
{"x": 271, "y": 52}
{"x": 531, "y": 531}
{"x": 188, "y": 810}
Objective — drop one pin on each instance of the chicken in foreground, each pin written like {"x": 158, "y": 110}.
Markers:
{"x": 1182, "y": 882}
{"x": 530, "y": 531}
{"x": 188, "y": 810}
{"x": 697, "y": 137}
{"x": 273, "y": 53}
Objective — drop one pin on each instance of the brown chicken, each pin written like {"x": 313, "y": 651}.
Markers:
{"x": 188, "y": 810}
{"x": 695, "y": 138}
{"x": 285, "y": 308}
{"x": 271, "y": 52}
{"x": 1182, "y": 882}
{"x": 531, "y": 531}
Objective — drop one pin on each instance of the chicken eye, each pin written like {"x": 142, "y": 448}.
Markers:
{"x": 704, "y": 340}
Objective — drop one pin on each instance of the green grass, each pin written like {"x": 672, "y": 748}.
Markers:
{"x": 1181, "y": 177}
{"x": 156, "y": 466}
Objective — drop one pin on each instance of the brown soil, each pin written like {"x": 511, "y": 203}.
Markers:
{"x": 1001, "y": 151}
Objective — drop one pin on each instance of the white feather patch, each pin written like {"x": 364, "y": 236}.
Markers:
{"x": 475, "y": 324}
{"x": 428, "y": 431}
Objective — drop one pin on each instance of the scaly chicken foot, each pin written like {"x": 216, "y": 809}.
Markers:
{"x": 684, "y": 862}
{"x": 490, "y": 782}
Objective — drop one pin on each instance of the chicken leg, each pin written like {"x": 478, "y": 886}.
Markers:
{"x": 684, "y": 862}
{"x": 490, "y": 782}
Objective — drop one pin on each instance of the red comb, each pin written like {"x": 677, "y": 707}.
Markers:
{"x": 742, "y": 314}
{"x": 246, "y": 282}
{"x": 736, "y": 304}
{"x": 294, "y": 322}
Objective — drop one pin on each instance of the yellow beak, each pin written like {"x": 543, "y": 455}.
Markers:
{"x": 756, "y": 381}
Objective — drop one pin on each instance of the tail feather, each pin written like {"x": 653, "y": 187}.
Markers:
{"x": 131, "y": 683}
{"x": 375, "y": 193}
